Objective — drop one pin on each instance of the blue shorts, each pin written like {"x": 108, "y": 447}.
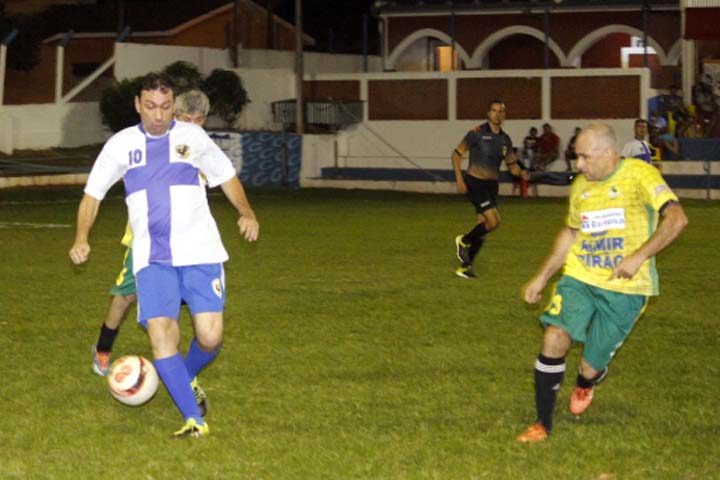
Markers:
{"x": 161, "y": 288}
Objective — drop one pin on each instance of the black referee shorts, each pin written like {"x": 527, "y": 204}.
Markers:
{"x": 481, "y": 193}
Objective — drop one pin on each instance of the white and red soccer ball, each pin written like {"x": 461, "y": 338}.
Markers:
{"x": 133, "y": 380}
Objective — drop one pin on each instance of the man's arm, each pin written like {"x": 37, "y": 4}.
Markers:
{"x": 513, "y": 166}
{"x": 234, "y": 191}
{"x": 457, "y": 157}
{"x": 532, "y": 291}
{"x": 87, "y": 211}
{"x": 673, "y": 222}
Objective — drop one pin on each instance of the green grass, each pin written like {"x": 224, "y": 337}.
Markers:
{"x": 353, "y": 351}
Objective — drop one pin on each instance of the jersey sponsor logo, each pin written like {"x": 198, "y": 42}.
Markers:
{"x": 602, "y": 220}
{"x": 183, "y": 151}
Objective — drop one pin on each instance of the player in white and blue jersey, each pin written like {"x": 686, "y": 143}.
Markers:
{"x": 177, "y": 250}
{"x": 192, "y": 106}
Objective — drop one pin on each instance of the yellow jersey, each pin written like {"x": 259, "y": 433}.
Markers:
{"x": 614, "y": 217}
{"x": 128, "y": 236}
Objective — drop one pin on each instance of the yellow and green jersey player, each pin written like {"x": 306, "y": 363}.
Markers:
{"x": 192, "y": 106}
{"x": 621, "y": 214}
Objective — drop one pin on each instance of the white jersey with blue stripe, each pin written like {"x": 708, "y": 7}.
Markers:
{"x": 166, "y": 199}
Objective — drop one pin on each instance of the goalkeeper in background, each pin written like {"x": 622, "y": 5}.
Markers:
{"x": 607, "y": 249}
{"x": 192, "y": 106}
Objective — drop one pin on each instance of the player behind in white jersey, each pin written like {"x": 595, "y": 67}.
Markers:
{"x": 177, "y": 250}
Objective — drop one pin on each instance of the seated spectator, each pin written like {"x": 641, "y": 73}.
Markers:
{"x": 530, "y": 147}
{"x": 669, "y": 146}
{"x": 548, "y": 147}
{"x": 638, "y": 147}
{"x": 705, "y": 104}
{"x": 657, "y": 122}
{"x": 673, "y": 104}
{"x": 570, "y": 154}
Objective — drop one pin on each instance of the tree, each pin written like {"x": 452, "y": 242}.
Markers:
{"x": 117, "y": 104}
{"x": 227, "y": 95}
{"x": 185, "y": 75}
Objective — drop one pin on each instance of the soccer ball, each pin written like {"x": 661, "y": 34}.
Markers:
{"x": 133, "y": 380}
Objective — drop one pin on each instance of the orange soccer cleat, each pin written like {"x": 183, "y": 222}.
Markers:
{"x": 580, "y": 400}
{"x": 535, "y": 433}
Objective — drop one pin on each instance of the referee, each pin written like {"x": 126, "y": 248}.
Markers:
{"x": 488, "y": 145}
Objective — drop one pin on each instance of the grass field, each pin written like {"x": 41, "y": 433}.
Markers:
{"x": 353, "y": 351}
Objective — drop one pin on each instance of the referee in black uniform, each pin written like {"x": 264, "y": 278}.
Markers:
{"x": 488, "y": 145}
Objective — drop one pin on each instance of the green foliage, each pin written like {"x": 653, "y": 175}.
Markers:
{"x": 117, "y": 104}
{"x": 185, "y": 75}
{"x": 352, "y": 351}
{"x": 224, "y": 88}
{"x": 227, "y": 95}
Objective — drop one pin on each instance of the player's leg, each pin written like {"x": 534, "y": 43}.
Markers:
{"x": 123, "y": 297}
{"x": 483, "y": 195}
{"x": 563, "y": 326}
{"x": 616, "y": 317}
{"x": 159, "y": 307}
{"x": 203, "y": 288}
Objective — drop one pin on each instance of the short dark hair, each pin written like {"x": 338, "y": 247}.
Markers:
{"x": 640, "y": 120}
{"x": 493, "y": 102}
{"x": 156, "y": 81}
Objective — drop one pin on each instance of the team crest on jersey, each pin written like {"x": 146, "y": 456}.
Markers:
{"x": 613, "y": 193}
{"x": 217, "y": 287}
{"x": 183, "y": 151}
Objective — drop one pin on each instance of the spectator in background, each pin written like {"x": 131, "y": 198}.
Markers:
{"x": 673, "y": 103}
{"x": 570, "y": 154}
{"x": 705, "y": 103}
{"x": 657, "y": 122}
{"x": 530, "y": 148}
{"x": 548, "y": 147}
{"x": 638, "y": 147}
{"x": 668, "y": 145}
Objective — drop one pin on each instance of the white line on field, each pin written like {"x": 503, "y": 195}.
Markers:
{"x": 33, "y": 225}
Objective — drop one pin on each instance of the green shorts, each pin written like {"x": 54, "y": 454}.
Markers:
{"x": 125, "y": 281}
{"x": 601, "y": 319}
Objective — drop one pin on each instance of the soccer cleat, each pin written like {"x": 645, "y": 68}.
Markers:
{"x": 465, "y": 271}
{"x": 463, "y": 251}
{"x": 200, "y": 397}
{"x": 535, "y": 433}
{"x": 580, "y": 400}
{"x": 192, "y": 429}
{"x": 101, "y": 362}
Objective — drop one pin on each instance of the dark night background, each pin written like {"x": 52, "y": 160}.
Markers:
{"x": 336, "y": 25}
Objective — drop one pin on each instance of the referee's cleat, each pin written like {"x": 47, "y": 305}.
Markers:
{"x": 200, "y": 397}
{"x": 101, "y": 362}
{"x": 465, "y": 271}
{"x": 580, "y": 400}
{"x": 462, "y": 250}
{"x": 192, "y": 429}
{"x": 535, "y": 433}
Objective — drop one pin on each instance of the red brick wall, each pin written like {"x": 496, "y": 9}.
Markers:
{"x": 407, "y": 100}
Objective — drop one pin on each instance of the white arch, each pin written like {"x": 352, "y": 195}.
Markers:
{"x": 424, "y": 33}
{"x": 591, "y": 38}
{"x": 675, "y": 53}
{"x": 484, "y": 48}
